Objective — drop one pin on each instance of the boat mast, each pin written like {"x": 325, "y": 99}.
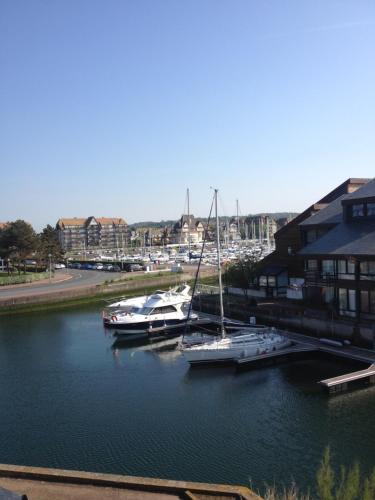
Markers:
{"x": 188, "y": 208}
{"x": 219, "y": 268}
{"x": 238, "y": 221}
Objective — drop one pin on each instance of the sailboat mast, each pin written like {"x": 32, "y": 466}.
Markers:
{"x": 238, "y": 221}
{"x": 188, "y": 207}
{"x": 219, "y": 268}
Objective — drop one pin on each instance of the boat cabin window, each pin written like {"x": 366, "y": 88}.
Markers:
{"x": 145, "y": 310}
{"x": 164, "y": 310}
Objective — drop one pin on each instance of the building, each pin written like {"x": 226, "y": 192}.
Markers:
{"x": 185, "y": 226}
{"x": 339, "y": 254}
{"x": 284, "y": 268}
{"x": 91, "y": 233}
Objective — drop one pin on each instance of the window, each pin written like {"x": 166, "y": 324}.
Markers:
{"x": 311, "y": 265}
{"x": 347, "y": 302}
{"x": 370, "y": 209}
{"x": 365, "y": 304}
{"x": 368, "y": 301}
{"x": 358, "y": 210}
{"x": 328, "y": 267}
{"x": 328, "y": 294}
{"x": 367, "y": 270}
{"x": 267, "y": 281}
{"x": 346, "y": 269}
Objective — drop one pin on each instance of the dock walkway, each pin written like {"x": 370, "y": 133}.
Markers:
{"x": 340, "y": 383}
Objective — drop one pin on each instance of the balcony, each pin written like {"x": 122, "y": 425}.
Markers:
{"x": 320, "y": 278}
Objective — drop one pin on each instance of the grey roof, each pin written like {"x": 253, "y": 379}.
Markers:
{"x": 273, "y": 270}
{"x": 368, "y": 190}
{"x": 331, "y": 214}
{"x": 356, "y": 238}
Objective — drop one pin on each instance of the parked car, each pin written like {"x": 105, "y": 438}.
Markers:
{"x": 59, "y": 265}
{"x": 135, "y": 267}
{"x": 99, "y": 267}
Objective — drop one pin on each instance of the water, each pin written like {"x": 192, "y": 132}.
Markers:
{"x": 68, "y": 400}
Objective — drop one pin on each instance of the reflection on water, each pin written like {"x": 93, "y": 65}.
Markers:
{"x": 77, "y": 399}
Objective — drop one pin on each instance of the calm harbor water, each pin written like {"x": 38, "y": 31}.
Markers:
{"x": 69, "y": 400}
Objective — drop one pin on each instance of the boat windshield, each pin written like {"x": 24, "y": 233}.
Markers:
{"x": 145, "y": 310}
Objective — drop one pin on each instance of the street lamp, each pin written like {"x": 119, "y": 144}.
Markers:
{"x": 50, "y": 266}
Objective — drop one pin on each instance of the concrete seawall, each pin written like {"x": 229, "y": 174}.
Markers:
{"x": 42, "y": 484}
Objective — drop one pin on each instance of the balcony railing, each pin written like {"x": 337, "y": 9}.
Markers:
{"x": 320, "y": 278}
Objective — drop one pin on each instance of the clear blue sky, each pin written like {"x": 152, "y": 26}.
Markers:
{"x": 115, "y": 107}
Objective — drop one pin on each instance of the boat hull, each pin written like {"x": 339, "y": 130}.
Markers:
{"x": 149, "y": 327}
{"x": 220, "y": 355}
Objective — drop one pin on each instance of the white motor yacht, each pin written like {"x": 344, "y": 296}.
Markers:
{"x": 127, "y": 305}
{"x": 159, "y": 312}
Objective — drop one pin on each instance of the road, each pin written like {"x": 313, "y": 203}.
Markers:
{"x": 65, "y": 279}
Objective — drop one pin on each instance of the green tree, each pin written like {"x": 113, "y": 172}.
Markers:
{"x": 18, "y": 241}
{"x": 49, "y": 244}
{"x": 241, "y": 273}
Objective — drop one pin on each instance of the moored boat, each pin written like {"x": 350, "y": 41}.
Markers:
{"x": 160, "y": 312}
{"x": 245, "y": 343}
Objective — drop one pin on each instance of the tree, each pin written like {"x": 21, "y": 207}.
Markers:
{"x": 49, "y": 244}
{"x": 241, "y": 273}
{"x": 18, "y": 241}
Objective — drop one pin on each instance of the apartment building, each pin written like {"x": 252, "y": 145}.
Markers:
{"x": 339, "y": 254}
{"x": 92, "y": 232}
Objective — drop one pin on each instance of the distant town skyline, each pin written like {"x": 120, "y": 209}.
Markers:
{"x": 116, "y": 108}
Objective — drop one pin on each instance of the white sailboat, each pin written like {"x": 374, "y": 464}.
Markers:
{"x": 246, "y": 342}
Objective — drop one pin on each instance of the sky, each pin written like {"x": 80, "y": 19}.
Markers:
{"x": 116, "y": 107}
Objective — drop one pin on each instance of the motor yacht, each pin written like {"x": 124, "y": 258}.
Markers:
{"x": 157, "y": 313}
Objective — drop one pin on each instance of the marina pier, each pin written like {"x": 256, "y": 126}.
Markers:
{"x": 304, "y": 346}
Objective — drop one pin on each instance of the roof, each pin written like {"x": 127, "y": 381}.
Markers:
{"x": 185, "y": 220}
{"x": 366, "y": 191}
{"x": 110, "y": 220}
{"x": 273, "y": 270}
{"x": 80, "y": 221}
{"x": 75, "y": 221}
{"x": 350, "y": 185}
{"x": 330, "y": 214}
{"x": 345, "y": 239}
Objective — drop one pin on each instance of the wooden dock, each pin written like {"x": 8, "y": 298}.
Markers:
{"x": 293, "y": 352}
{"x": 341, "y": 383}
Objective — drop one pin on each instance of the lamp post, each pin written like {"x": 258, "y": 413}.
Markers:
{"x": 50, "y": 266}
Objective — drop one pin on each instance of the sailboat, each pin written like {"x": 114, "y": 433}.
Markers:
{"x": 245, "y": 343}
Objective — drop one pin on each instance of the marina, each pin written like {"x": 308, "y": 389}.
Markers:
{"x": 152, "y": 414}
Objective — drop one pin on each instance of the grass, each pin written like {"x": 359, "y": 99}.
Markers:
{"x": 15, "y": 279}
{"x": 140, "y": 277}
{"x": 98, "y": 298}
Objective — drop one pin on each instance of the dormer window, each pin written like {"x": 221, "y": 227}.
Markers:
{"x": 370, "y": 209}
{"x": 358, "y": 210}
